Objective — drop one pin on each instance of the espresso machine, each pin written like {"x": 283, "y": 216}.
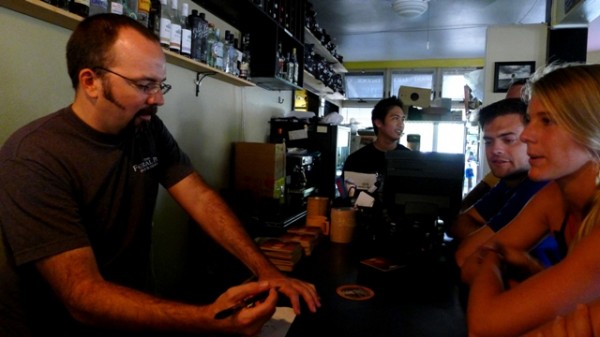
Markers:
{"x": 300, "y": 181}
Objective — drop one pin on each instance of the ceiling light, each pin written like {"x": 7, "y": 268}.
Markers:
{"x": 410, "y": 8}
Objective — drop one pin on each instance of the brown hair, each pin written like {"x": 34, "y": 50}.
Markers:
{"x": 90, "y": 44}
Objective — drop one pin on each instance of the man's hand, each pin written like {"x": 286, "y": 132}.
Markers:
{"x": 249, "y": 320}
{"x": 294, "y": 289}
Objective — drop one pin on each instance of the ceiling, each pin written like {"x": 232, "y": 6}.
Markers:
{"x": 368, "y": 30}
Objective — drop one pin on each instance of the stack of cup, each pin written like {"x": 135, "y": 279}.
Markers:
{"x": 316, "y": 213}
{"x": 343, "y": 223}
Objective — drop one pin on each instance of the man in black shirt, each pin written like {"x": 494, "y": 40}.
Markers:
{"x": 388, "y": 123}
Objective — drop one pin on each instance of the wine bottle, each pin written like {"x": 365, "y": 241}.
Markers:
{"x": 165, "y": 24}
{"x": 154, "y": 17}
{"x": 175, "y": 43}
{"x": 80, "y": 7}
{"x": 186, "y": 32}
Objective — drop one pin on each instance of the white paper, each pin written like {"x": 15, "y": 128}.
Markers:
{"x": 362, "y": 181}
{"x": 364, "y": 200}
{"x": 279, "y": 324}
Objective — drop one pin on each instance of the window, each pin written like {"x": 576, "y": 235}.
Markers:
{"x": 364, "y": 85}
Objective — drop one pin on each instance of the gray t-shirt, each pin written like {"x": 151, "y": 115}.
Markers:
{"x": 66, "y": 186}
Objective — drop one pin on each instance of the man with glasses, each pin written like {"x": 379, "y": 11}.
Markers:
{"x": 78, "y": 193}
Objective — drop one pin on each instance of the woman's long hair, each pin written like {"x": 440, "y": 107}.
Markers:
{"x": 570, "y": 93}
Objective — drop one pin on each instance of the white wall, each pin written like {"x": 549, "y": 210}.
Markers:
{"x": 593, "y": 57}
{"x": 512, "y": 43}
{"x": 35, "y": 83}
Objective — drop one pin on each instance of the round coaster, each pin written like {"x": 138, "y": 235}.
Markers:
{"x": 355, "y": 292}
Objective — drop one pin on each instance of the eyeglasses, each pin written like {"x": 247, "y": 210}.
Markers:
{"x": 150, "y": 89}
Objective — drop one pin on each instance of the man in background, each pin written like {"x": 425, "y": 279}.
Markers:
{"x": 501, "y": 123}
{"x": 388, "y": 118}
{"x": 489, "y": 180}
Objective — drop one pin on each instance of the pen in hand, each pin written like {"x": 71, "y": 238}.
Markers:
{"x": 245, "y": 303}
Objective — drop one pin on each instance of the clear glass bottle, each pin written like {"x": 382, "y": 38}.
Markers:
{"x": 210, "y": 41}
{"x": 130, "y": 8}
{"x": 217, "y": 50}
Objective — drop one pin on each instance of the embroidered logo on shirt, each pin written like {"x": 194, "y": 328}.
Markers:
{"x": 146, "y": 164}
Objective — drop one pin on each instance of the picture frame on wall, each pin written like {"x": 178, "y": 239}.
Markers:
{"x": 507, "y": 72}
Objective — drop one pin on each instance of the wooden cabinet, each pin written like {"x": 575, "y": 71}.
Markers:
{"x": 46, "y": 12}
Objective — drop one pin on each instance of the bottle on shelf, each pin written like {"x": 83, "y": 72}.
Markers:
{"x": 130, "y": 8}
{"x": 200, "y": 31}
{"x": 175, "y": 43}
{"x": 280, "y": 72}
{"x": 143, "y": 12}
{"x": 291, "y": 68}
{"x": 186, "y": 32}
{"x": 217, "y": 50}
{"x": 115, "y": 7}
{"x": 154, "y": 17}
{"x": 227, "y": 53}
{"x": 245, "y": 63}
{"x": 98, "y": 7}
{"x": 165, "y": 24}
{"x": 80, "y": 7}
{"x": 210, "y": 42}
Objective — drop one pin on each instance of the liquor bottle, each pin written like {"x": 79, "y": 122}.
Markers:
{"x": 296, "y": 66}
{"x": 130, "y": 8}
{"x": 175, "y": 44}
{"x": 291, "y": 66}
{"x": 115, "y": 7}
{"x": 245, "y": 64}
{"x": 238, "y": 57}
{"x": 227, "y": 54}
{"x": 143, "y": 12}
{"x": 154, "y": 17}
{"x": 80, "y": 7}
{"x": 210, "y": 41}
{"x": 165, "y": 24}
{"x": 200, "y": 31}
{"x": 186, "y": 32}
{"x": 280, "y": 62}
{"x": 204, "y": 49}
{"x": 98, "y": 7}
{"x": 217, "y": 50}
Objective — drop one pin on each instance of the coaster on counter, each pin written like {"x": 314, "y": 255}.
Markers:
{"x": 355, "y": 292}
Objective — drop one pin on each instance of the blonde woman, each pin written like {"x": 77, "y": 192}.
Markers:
{"x": 508, "y": 296}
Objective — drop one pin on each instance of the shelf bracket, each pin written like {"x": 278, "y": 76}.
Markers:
{"x": 199, "y": 77}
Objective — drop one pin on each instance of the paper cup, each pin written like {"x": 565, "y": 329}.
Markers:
{"x": 343, "y": 222}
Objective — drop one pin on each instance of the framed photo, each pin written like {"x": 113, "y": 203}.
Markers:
{"x": 507, "y": 72}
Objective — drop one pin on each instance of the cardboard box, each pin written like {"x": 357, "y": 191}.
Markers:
{"x": 260, "y": 169}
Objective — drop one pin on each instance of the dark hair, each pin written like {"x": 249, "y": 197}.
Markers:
{"x": 382, "y": 108}
{"x": 506, "y": 106}
{"x": 90, "y": 44}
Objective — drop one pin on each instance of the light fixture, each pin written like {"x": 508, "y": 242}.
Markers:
{"x": 410, "y": 8}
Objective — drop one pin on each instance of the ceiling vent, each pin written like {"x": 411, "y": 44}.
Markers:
{"x": 410, "y": 8}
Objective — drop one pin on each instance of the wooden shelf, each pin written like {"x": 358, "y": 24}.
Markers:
{"x": 46, "y": 12}
{"x": 314, "y": 85}
{"x": 324, "y": 52}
